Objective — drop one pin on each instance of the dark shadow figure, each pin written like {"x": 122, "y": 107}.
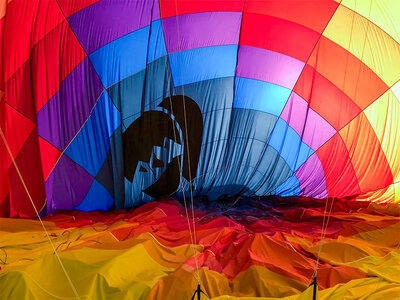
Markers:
{"x": 151, "y": 129}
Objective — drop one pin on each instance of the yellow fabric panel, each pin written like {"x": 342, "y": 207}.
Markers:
{"x": 269, "y": 283}
{"x": 385, "y": 195}
{"x": 397, "y": 192}
{"x": 367, "y": 42}
{"x": 118, "y": 275}
{"x": 384, "y": 13}
{"x": 392, "y": 209}
{"x": 383, "y": 116}
{"x": 253, "y": 282}
{"x": 344, "y": 250}
{"x": 213, "y": 283}
{"x": 396, "y": 90}
{"x": 369, "y": 288}
{"x": 367, "y": 157}
{"x": 385, "y": 239}
{"x": 385, "y": 267}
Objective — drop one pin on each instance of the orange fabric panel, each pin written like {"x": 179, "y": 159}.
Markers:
{"x": 369, "y": 161}
{"x": 347, "y": 72}
{"x": 325, "y": 98}
{"x": 340, "y": 177}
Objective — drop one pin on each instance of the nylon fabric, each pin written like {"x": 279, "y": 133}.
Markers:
{"x": 319, "y": 75}
{"x": 147, "y": 254}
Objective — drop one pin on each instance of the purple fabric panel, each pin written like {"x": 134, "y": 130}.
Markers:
{"x": 61, "y": 118}
{"x": 107, "y": 20}
{"x": 313, "y": 129}
{"x": 201, "y": 30}
{"x": 268, "y": 66}
{"x": 295, "y": 112}
{"x": 67, "y": 185}
{"x": 156, "y": 11}
{"x": 312, "y": 179}
{"x": 317, "y": 130}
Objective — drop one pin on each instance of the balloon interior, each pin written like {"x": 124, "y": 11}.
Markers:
{"x": 171, "y": 149}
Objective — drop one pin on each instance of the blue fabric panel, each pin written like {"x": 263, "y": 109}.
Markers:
{"x": 203, "y": 63}
{"x": 98, "y": 198}
{"x": 122, "y": 57}
{"x": 210, "y": 95}
{"x": 216, "y": 119}
{"x": 111, "y": 173}
{"x": 141, "y": 91}
{"x": 217, "y": 115}
{"x": 134, "y": 189}
{"x": 288, "y": 143}
{"x": 90, "y": 146}
{"x": 290, "y": 187}
{"x": 157, "y": 46}
{"x": 275, "y": 169}
{"x": 260, "y": 95}
{"x": 235, "y": 156}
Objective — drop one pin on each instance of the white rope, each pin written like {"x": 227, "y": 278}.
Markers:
{"x": 37, "y": 213}
{"x": 180, "y": 172}
{"x": 324, "y": 228}
{"x": 320, "y": 240}
{"x": 187, "y": 145}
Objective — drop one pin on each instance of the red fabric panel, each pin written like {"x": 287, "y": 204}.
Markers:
{"x": 52, "y": 59}
{"x": 69, "y": 7}
{"x": 19, "y": 91}
{"x": 4, "y": 191}
{"x": 39, "y": 78}
{"x": 35, "y": 19}
{"x": 168, "y": 8}
{"x": 4, "y": 205}
{"x": 4, "y": 163}
{"x": 31, "y": 172}
{"x": 340, "y": 177}
{"x": 325, "y": 98}
{"x": 17, "y": 129}
{"x": 1, "y": 54}
{"x": 236, "y": 252}
{"x": 278, "y": 35}
{"x": 369, "y": 161}
{"x": 312, "y": 14}
{"x": 49, "y": 155}
{"x": 347, "y": 72}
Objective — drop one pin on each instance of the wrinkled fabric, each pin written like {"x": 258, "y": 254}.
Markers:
{"x": 113, "y": 104}
{"x": 243, "y": 250}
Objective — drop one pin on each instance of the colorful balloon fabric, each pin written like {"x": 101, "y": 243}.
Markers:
{"x": 249, "y": 249}
{"x": 106, "y": 103}
{"x": 277, "y": 122}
